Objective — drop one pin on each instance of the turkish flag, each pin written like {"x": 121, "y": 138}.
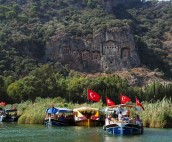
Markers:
{"x": 124, "y": 99}
{"x": 93, "y": 96}
{"x": 109, "y": 102}
{"x": 139, "y": 104}
{"x": 3, "y": 103}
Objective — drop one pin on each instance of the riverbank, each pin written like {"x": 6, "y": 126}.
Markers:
{"x": 156, "y": 115}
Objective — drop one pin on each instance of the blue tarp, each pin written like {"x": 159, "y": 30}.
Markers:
{"x": 52, "y": 110}
{"x": 58, "y": 110}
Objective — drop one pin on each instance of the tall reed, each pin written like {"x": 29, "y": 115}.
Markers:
{"x": 158, "y": 114}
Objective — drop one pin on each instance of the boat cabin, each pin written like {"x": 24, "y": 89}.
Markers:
{"x": 59, "y": 116}
{"x": 86, "y": 113}
{"x": 8, "y": 115}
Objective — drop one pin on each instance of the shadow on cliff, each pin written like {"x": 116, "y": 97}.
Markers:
{"x": 120, "y": 11}
{"x": 148, "y": 56}
{"x": 151, "y": 59}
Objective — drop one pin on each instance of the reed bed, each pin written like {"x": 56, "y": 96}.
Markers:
{"x": 156, "y": 115}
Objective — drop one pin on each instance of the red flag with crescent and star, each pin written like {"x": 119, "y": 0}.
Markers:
{"x": 124, "y": 99}
{"x": 109, "y": 102}
{"x": 3, "y": 103}
{"x": 139, "y": 104}
{"x": 93, "y": 96}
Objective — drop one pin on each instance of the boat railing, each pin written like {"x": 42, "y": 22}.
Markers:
{"x": 124, "y": 120}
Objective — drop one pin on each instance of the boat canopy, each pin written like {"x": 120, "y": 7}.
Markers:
{"x": 64, "y": 110}
{"x": 87, "y": 112}
{"x": 85, "y": 109}
{"x": 51, "y": 110}
{"x": 122, "y": 105}
{"x": 58, "y": 110}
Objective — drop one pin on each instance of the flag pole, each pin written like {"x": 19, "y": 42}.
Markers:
{"x": 87, "y": 96}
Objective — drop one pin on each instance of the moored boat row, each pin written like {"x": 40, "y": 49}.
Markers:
{"x": 84, "y": 116}
{"x": 116, "y": 119}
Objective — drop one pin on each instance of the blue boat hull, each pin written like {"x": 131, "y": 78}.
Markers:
{"x": 125, "y": 130}
{"x": 54, "y": 122}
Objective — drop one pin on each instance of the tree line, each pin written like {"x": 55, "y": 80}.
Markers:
{"x": 26, "y": 27}
{"x": 49, "y": 81}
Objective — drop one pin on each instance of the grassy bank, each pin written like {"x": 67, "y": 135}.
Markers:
{"x": 156, "y": 115}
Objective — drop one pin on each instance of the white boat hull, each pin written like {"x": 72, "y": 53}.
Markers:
{"x": 2, "y": 118}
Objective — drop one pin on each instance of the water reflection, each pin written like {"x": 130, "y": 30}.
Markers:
{"x": 40, "y": 133}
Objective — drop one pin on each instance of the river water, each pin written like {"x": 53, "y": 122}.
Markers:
{"x": 12, "y": 132}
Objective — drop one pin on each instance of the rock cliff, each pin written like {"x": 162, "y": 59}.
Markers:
{"x": 107, "y": 51}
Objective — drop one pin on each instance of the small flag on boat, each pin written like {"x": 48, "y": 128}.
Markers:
{"x": 139, "y": 104}
{"x": 3, "y": 103}
{"x": 124, "y": 99}
{"x": 109, "y": 102}
{"x": 93, "y": 96}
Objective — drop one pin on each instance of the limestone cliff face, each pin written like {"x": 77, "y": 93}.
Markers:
{"x": 110, "y": 50}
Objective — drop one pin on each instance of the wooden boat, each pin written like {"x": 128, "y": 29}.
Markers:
{"x": 123, "y": 124}
{"x": 8, "y": 115}
{"x": 59, "y": 117}
{"x": 2, "y": 115}
{"x": 87, "y": 116}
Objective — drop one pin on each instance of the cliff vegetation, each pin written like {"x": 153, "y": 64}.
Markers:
{"x": 27, "y": 25}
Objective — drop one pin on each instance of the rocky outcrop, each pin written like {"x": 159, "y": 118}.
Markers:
{"x": 108, "y": 51}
